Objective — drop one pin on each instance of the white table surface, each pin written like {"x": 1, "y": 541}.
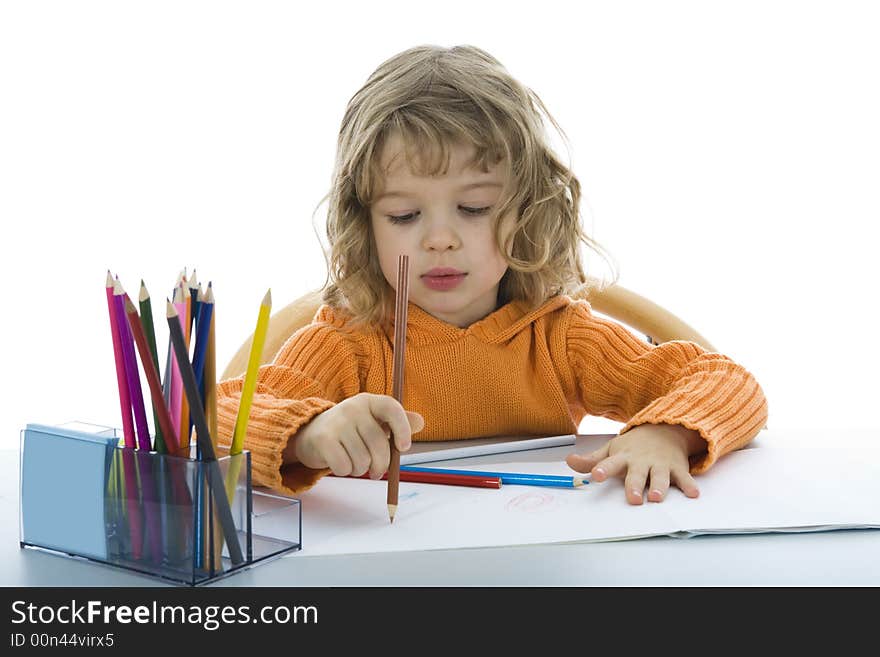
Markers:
{"x": 842, "y": 557}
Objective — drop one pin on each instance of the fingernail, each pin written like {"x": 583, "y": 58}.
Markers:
{"x": 637, "y": 493}
{"x": 656, "y": 494}
{"x": 600, "y": 472}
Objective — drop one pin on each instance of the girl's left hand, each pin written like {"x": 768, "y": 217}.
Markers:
{"x": 656, "y": 451}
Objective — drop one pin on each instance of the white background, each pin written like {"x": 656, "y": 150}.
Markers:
{"x": 729, "y": 154}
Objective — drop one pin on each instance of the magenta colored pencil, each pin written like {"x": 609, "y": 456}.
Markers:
{"x": 121, "y": 381}
{"x": 131, "y": 370}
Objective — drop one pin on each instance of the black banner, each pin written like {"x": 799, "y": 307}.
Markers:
{"x": 365, "y": 619}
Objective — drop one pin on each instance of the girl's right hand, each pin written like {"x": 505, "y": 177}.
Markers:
{"x": 352, "y": 437}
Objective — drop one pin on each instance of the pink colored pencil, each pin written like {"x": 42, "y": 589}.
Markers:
{"x": 179, "y": 303}
{"x": 134, "y": 515}
{"x": 131, "y": 369}
{"x": 176, "y": 385}
{"x": 121, "y": 381}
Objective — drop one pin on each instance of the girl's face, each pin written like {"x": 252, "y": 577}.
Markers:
{"x": 441, "y": 223}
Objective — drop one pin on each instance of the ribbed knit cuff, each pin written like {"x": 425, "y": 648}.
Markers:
{"x": 271, "y": 424}
{"x": 731, "y": 412}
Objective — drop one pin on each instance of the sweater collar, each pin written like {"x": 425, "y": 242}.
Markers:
{"x": 497, "y": 327}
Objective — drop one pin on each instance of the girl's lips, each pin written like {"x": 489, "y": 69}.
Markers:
{"x": 443, "y": 282}
{"x": 444, "y": 271}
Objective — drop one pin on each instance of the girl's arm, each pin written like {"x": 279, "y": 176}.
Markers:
{"x": 623, "y": 378}
{"x": 315, "y": 369}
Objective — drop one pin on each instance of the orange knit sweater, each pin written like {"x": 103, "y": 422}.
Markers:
{"x": 517, "y": 371}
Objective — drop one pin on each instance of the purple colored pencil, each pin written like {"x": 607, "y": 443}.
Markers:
{"x": 131, "y": 370}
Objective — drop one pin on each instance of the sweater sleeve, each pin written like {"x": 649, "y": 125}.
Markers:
{"x": 315, "y": 369}
{"x": 626, "y": 379}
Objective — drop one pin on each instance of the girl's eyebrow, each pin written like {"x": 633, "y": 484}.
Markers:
{"x": 485, "y": 183}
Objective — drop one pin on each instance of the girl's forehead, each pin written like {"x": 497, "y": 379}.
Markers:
{"x": 398, "y": 158}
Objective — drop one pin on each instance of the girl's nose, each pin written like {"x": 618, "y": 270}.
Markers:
{"x": 440, "y": 236}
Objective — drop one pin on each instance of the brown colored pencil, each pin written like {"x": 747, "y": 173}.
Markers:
{"x": 162, "y": 415}
{"x": 210, "y": 376}
{"x": 400, "y": 318}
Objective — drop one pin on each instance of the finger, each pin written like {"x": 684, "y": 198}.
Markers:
{"x": 686, "y": 482}
{"x": 337, "y": 458}
{"x": 357, "y": 452}
{"x": 388, "y": 409}
{"x": 375, "y": 437}
{"x": 636, "y": 477}
{"x": 609, "y": 467}
{"x": 416, "y": 421}
{"x": 659, "y": 484}
{"x": 585, "y": 462}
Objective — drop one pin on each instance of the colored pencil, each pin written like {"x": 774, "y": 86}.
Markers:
{"x": 132, "y": 499}
{"x": 203, "y": 325}
{"x": 201, "y": 347}
{"x": 210, "y": 397}
{"x": 121, "y": 380}
{"x": 146, "y": 317}
{"x": 247, "y": 393}
{"x": 221, "y": 502}
{"x": 193, "y": 301}
{"x": 164, "y": 419}
{"x": 143, "y": 460}
{"x": 183, "y": 406}
{"x": 211, "y": 369}
{"x": 439, "y": 478}
{"x": 400, "y": 318}
{"x": 129, "y": 475}
{"x": 250, "y": 378}
{"x": 131, "y": 370}
{"x": 171, "y": 489}
{"x": 509, "y": 477}
{"x": 176, "y": 387}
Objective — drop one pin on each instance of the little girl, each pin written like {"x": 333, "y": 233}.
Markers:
{"x": 442, "y": 156}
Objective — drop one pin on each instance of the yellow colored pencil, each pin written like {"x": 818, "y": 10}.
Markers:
{"x": 250, "y": 378}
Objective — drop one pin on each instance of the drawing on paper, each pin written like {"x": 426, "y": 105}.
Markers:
{"x": 532, "y": 502}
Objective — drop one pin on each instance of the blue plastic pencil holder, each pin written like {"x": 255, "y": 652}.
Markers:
{"x": 83, "y": 495}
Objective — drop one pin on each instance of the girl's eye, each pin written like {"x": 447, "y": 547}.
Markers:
{"x": 476, "y": 211}
{"x": 402, "y": 219}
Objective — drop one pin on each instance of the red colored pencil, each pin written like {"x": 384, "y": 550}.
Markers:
{"x": 152, "y": 377}
{"x": 449, "y": 480}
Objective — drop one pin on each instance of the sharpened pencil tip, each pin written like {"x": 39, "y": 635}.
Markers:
{"x": 109, "y": 282}
{"x": 170, "y": 310}
{"x": 392, "y": 510}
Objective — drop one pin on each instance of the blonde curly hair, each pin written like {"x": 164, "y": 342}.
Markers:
{"x": 434, "y": 97}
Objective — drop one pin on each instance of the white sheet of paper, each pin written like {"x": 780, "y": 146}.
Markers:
{"x": 433, "y": 451}
{"x": 766, "y": 489}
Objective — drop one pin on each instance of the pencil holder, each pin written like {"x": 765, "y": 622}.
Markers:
{"x": 83, "y": 495}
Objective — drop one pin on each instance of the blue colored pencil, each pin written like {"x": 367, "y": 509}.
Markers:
{"x": 203, "y": 324}
{"x": 509, "y": 477}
